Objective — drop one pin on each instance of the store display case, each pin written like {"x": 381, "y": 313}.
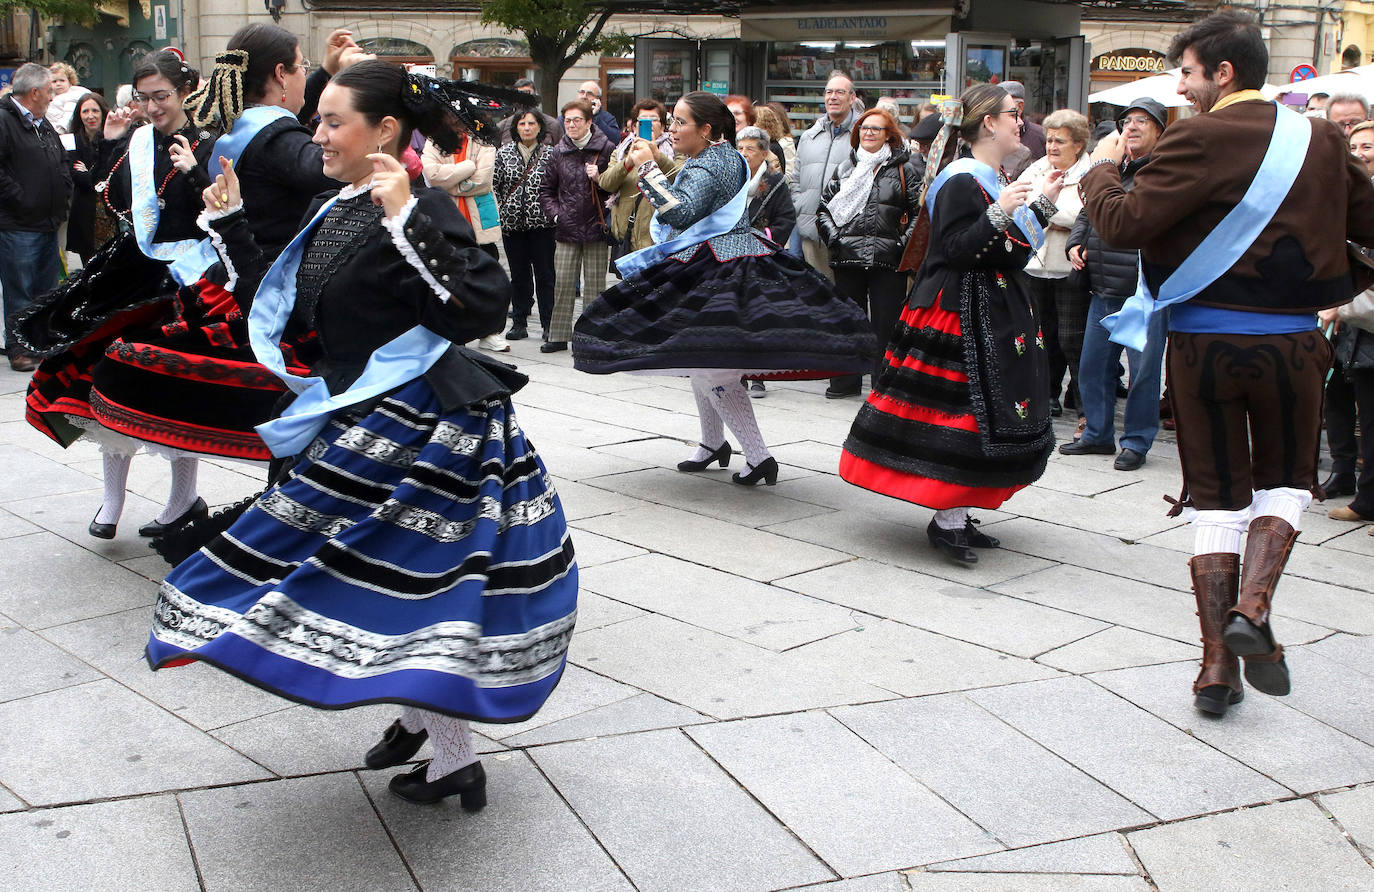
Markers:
{"x": 911, "y": 71}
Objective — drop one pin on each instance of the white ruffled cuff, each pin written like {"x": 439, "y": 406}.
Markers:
{"x": 217, "y": 241}
{"x": 397, "y": 227}
{"x": 208, "y": 216}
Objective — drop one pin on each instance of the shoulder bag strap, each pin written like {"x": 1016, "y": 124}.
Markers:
{"x": 529, "y": 168}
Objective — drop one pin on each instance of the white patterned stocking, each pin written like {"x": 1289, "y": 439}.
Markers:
{"x": 116, "y": 470}
{"x": 183, "y": 494}
{"x": 452, "y": 742}
{"x": 712, "y": 430}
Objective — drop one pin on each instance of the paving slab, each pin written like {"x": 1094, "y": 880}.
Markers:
{"x": 1356, "y": 541}
{"x": 595, "y": 611}
{"x": 543, "y": 425}
{"x": 642, "y": 712}
{"x": 913, "y": 662}
{"x": 1354, "y": 810}
{"x": 152, "y": 567}
{"x": 1105, "y": 853}
{"x": 1347, "y": 569}
{"x": 1329, "y": 692}
{"x": 568, "y": 462}
{"x": 578, "y": 691}
{"x": 1082, "y": 478}
{"x": 199, "y": 693}
{"x": 1263, "y": 732}
{"x": 69, "y": 515}
{"x": 12, "y": 525}
{"x": 1288, "y": 845}
{"x": 134, "y": 844}
{"x": 10, "y": 802}
{"x": 727, "y": 679}
{"x": 860, "y": 534}
{"x": 1117, "y": 648}
{"x": 317, "y": 832}
{"x": 672, "y": 819}
{"x": 592, "y": 549}
{"x": 53, "y": 581}
{"x": 525, "y": 839}
{"x": 1127, "y": 519}
{"x": 1130, "y": 559}
{"x": 878, "y": 882}
{"x": 302, "y": 740}
{"x": 28, "y": 476}
{"x": 581, "y": 501}
{"x": 878, "y": 818}
{"x": 760, "y": 614}
{"x": 1025, "y": 794}
{"x": 701, "y": 494}
{"x": 1019, "y": 882}
{"x": 1325, "y": 604}
{"x": 753, "y": 554}
{"x": 948, "y": 608}
{"x": 30, "y": 665}
{"x": 1355, "y": 652}
{"x": 1154, "y": 765}
{"x": 101, "y": 740}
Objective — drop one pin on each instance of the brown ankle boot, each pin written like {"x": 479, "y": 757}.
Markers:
{"x": 1247, "y": 633}
{"x": 1215, "y": 579}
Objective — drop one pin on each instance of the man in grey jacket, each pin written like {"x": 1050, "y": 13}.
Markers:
{"x": 819, "y": 151}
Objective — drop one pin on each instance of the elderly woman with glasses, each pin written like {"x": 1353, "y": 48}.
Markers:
{"x": 867, "y": 211}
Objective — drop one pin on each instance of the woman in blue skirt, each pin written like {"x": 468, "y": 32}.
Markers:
{"x": 416, "y": 553}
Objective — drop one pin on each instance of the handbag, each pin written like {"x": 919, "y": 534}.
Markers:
{"x": 918, "y": 240}
{"x": 623, "y": 246}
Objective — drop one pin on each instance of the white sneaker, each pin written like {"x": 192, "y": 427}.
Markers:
{"x": 495, "y": 343}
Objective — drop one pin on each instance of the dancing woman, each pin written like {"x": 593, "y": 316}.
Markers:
{"x": 712, "y": 300}
{"x": 416, "y": 553}
{"x": 130, "y": 283}
{"x": 959, "y": 416}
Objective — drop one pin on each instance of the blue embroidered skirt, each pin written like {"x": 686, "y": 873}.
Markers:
{"x": 413, "y": 556}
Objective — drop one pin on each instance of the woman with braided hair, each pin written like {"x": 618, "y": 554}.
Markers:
{"x": 416, "y": 552}
{"x": 959, "y": 414}
{"x": 195, "y": 385}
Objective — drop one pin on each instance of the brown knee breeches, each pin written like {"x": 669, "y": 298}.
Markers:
{"x": 1248, "y": 410}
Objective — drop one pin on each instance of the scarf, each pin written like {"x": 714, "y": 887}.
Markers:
{"x": 853, "y": 194}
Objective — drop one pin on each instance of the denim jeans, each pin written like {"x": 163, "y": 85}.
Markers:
{"x": 1097, "y": 379}
{"x": 28, "y": 268}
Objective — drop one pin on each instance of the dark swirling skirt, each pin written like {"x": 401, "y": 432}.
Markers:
{"x": 415, "y": 555}
{"x": 771, "y": 313}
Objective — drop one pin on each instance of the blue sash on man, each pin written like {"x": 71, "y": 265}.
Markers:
{"x": 1228, "y": 242}
{"x": 402, "y": 359}
{"x": 1023, "y": 216}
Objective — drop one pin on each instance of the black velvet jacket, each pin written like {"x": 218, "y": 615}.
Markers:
{"x": 280, "y": 172}
{"x": 181, "y": 197}
{"x": 358, "y": 292}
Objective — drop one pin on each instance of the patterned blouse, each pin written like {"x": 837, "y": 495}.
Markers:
{"x": 705, "y": 184}
{"x": 518, "y": 201}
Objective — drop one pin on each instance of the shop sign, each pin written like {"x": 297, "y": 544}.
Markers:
{"x": 777, "y": 25}
{"x": 1138, "y": 61}
{"x": 720, "y": 88}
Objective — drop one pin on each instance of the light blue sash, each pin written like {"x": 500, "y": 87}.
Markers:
{"x": 232, "y": 144}
{"x": 716, "y": 223}
{"x": 1023, "y": 216}
{"x": 188, "y": 258}
{"x": 402, "y": 359}
{"x": 1229, "y": 241}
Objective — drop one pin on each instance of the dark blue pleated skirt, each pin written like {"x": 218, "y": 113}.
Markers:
{"x": 414, "y": 556}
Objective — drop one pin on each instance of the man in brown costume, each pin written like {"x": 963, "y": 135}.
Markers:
{"x": 1246, "y": 363}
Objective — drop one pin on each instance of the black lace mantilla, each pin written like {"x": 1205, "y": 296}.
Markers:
{"x": 338, "y": 237}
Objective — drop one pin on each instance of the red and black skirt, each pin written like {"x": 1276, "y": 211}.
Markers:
{"x": 959, "y": 416}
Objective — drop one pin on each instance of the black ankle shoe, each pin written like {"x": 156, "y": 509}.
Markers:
{"x": 952, "y": 543}
{"x": 396, "y": 748}
{"x": 469, "y": 784}
{"x": 1337, "y": 485}
{"x": 721, "y": 454}
{"x": 553, "y": 346}
{"x": 977, "y": 538}
{"x": 101, "y": 530}
{"x": 1216, "y": 699}
{"x": 197, "y": 511}
{"x": 767, "y": 471}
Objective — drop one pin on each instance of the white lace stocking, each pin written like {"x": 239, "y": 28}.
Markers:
{"x": 116, "y": 472}
{"x": 452, "y": 742}
{"x": 951, "y": 518}
{"x": 712, "y": 430}
{"x": 412, "y": 720}
{"x": 732, "y": 402}
{"x": 183, "y": 494}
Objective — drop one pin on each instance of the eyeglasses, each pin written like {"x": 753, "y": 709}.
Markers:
{"x": 304, "y": 65}
{"x": 1136, "y": 120}
{"x": 867, "y": 128}
{"x": 1011, "y": 111}
{"x": 839, "y": 92}
{"x": 574, "y": 119}
{"x": 158, "y": 96}
{"x": 676, "y": 123}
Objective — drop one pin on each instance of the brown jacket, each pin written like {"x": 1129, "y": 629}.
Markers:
{"x": 1199, "y": 171}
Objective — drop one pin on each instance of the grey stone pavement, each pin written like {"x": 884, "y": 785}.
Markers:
{"x": 769, "y": 688}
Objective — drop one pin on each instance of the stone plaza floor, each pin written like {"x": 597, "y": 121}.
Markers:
{"x": 770, "y": 688}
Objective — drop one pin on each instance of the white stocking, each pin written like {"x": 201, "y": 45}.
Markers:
{"x": 452, "y": 742}
{"x": 732, "y": 402}
{"x": 183, "y": 494}
{"x": 116, "y": 473}
{"x": 951, "y": 518}
{"x": 412, "y": 720}
{"x": 1282, "y": 502}
{"x": 712, "y": 430}
{"x": 1219, "y": 531}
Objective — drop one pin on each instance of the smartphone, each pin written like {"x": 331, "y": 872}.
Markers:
{"x": 646, "y": 128}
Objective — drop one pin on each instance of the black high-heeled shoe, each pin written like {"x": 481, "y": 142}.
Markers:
{"x": 767, "y": 471}
{"x": 954, "y": 544}
{"x": 101, "y": 530}
{"x": 977, "y": 538}
{"x": 721, "y": 454}
{"x": 468, "y": 784}
{"x": 396, "y": 747}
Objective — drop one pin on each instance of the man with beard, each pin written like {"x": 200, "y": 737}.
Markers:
{"x": 1241, "y": 217}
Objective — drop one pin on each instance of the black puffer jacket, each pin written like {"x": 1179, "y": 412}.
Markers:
{"x": 1112, "y": 272}
{"x": 874, "y": 237}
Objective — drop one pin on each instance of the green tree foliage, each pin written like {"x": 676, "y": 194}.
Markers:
{"x": 84, "y": 11}
{"x": 559, "y": 32}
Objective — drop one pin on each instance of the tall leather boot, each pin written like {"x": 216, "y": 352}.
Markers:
{"x": 1215, "y": 578}
{"x": 1248, "y": 634}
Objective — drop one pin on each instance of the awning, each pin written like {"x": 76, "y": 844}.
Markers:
{"x": 821, "y": 23}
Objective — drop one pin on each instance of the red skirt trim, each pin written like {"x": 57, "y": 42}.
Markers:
{"x": 179, "y": 434}
{"x": 925, "y": 491}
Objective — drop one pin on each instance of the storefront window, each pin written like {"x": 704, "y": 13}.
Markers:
{"x": 907, "y": 70}
{"x": 672, "y": 73}
{"x": 984, "y": 64}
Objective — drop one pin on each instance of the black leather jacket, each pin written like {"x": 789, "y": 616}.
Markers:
{"x": 1112, "y": 272}
{"x": 875, "y": 236}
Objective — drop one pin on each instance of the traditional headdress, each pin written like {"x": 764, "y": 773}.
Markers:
{"x": 448, "y": 108}
{"x": 220, "y": 99}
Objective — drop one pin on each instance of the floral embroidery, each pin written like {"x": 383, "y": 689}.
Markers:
{"x": 1002, "y": 281}
{"x": 1022, "y": 408}
{"x": 1020, "y": 344}
{"x": 1040, "y": 339}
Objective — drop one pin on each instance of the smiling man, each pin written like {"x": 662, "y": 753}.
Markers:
{"x": 1246, "y": 362}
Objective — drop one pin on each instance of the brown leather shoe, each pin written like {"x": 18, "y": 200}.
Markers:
{"x": 1345, "y": 512}
{"x": 1216, "y": 578}
{"x": 23, "y": 362}
{"x": 1247, "y": 633}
